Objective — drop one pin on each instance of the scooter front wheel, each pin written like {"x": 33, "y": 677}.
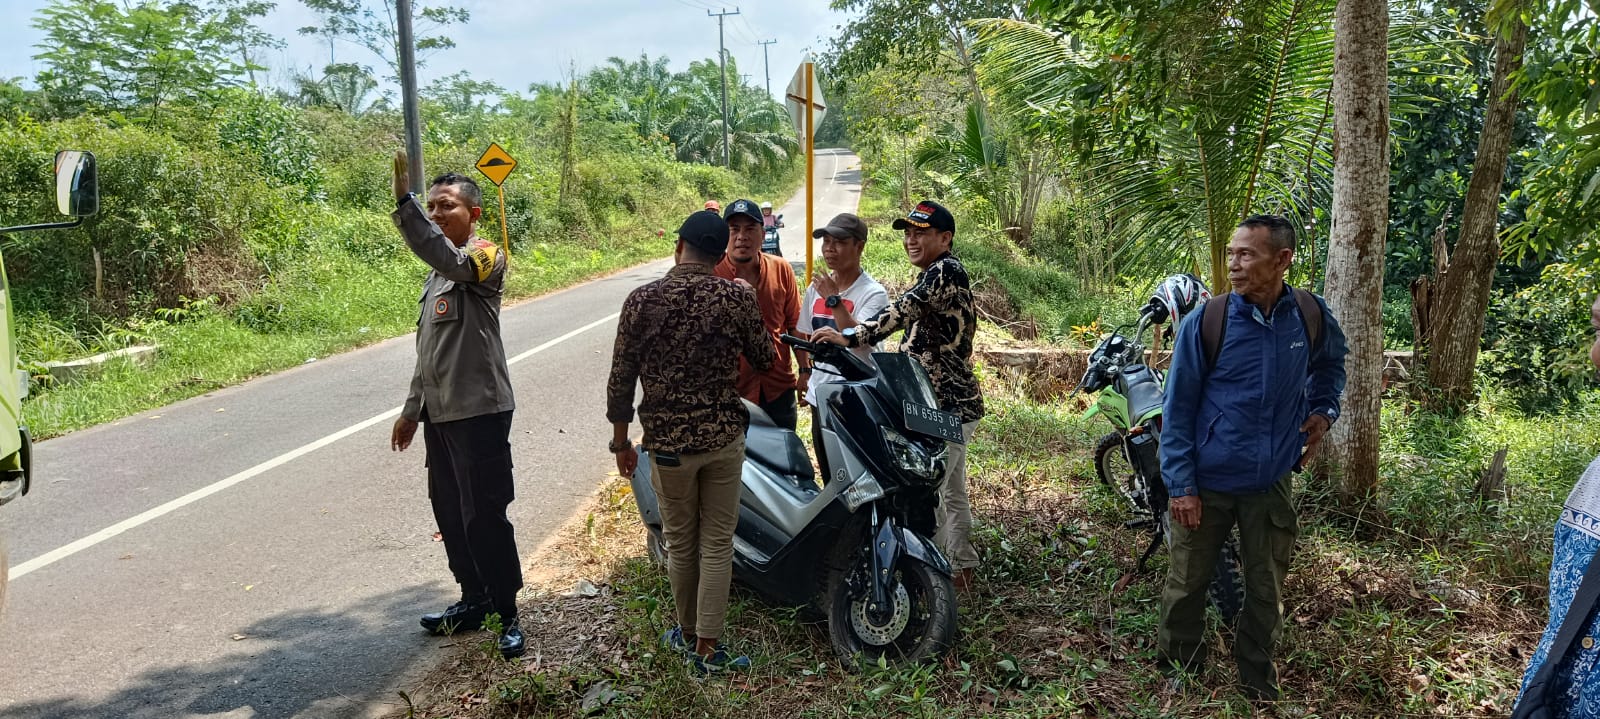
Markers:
{"x": 920, "y": 624}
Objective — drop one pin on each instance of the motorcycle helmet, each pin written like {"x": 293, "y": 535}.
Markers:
{"x": 1176, "y": 297}
{"x": 766, "y": 205}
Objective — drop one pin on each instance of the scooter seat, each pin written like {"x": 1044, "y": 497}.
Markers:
{"x": 777, "y": 448}
{"x": 758, "y": 416}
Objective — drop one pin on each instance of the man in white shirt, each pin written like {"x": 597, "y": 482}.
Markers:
{"x": 838, "y": 298}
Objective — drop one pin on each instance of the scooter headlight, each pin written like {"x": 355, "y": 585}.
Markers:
{"x": 861, "y": 491}
{"x": 913, "y": 457}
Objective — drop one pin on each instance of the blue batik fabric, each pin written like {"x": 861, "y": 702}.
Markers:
{"x": 1575, "y": 688}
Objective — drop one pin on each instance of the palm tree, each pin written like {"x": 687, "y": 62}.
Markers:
{"x": 759, "y": 133}
{"x": 1008, "y": 172}
{"x": 1222, "y": 114}
{"x": 344, "y": 86}
{"x": 642, "y": 94}
{"x": 1186, "y": 116}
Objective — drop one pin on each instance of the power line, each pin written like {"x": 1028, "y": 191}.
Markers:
{"x": 750, "y": 35}
{"x": 696, "y": 4}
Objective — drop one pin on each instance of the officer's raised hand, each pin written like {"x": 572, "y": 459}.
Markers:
{"x": 402, "y": 176}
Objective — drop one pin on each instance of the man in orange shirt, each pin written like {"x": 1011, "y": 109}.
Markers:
{"x": 778, "y": 295}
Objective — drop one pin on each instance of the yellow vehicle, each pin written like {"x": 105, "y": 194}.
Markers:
{"x": 77, "y": 196}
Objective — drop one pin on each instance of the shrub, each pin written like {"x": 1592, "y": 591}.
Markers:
{"x": 1397, "y": 330}
{"x": 273, "y": 137}
{"x": 1537, "y": 339}
{"x": 161, "y": 202}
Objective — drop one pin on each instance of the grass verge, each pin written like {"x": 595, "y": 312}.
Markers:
{"x": 330, "y": 304}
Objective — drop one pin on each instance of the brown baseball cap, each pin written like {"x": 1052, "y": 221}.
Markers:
{"x": 843, "y": 226}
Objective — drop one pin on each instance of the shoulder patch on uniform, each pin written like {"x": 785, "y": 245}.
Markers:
{"x": 483, "y": 255}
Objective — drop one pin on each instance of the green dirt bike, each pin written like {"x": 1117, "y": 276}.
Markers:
{"x": 1128, "y": 460}
{"x": 77, "y": 196}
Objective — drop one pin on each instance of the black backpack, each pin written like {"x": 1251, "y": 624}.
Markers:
{"x": 1214, "y": 322}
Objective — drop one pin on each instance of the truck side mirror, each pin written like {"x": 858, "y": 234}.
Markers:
{"x": 77, "y": 191}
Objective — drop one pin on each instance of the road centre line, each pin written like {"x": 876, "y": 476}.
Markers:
{"x": 60, "y": 553}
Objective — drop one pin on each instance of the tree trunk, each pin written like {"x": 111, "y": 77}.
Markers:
{"x": 569, "y": 134}
{"x": 1356, "y": 245}
{"x": 1461, "y": 289}
{"x": 958, "y": 38}
{"x": 1422, "y": 294}
{"x": 99, "y": 277}
{"x": 905, "y": 173}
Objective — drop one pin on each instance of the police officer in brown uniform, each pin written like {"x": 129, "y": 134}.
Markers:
{"x": 461, "y": 394}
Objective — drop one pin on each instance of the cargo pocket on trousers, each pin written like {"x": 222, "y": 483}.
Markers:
{"x": 502, "y": 487}
{"x": 1285, "y": 530}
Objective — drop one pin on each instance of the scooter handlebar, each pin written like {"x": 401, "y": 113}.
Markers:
{"x": 825, "y": 351}
{"x": 797, "y": 343}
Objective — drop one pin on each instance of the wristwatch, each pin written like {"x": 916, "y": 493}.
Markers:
{"x": 833, "y": 301}
{"x": 615, "y": 448}
{"x": 851, "y": 335}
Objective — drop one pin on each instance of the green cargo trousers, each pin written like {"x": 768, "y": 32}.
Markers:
{"x": 1267, "y": 532}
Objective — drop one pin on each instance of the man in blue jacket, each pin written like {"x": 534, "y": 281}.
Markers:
{"x": 1240, "y": 415}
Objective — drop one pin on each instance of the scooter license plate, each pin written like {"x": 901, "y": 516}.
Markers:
{"x": 934, "y": 422}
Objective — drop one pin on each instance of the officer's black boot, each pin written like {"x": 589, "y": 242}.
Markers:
{"x": 465, "y": 614}
{"x": 511, "y": 642}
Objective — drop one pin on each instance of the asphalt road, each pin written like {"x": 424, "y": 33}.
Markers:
{"x": 838, "y": 190}
{"x": 260, "y": 552}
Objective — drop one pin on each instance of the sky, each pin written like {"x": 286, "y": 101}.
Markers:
{"x": 518, "y": 42}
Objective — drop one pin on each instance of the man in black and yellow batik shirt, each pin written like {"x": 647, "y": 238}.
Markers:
{"x": 939, "y": 320}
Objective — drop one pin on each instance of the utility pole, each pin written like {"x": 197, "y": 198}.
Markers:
{"x": 722, "y": 57}
{"x": 766, "y": 64}
{"x": 408, "y": 92}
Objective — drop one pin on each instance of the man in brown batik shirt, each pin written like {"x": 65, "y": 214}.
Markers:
{"x": 681, "y": 338}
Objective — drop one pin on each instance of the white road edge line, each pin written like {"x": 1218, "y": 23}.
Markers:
{"x": 60, "y": 553}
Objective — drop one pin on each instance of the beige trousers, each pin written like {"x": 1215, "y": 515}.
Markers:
{"x": 955, "y": 511}
{"x": 699, "y": 499}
